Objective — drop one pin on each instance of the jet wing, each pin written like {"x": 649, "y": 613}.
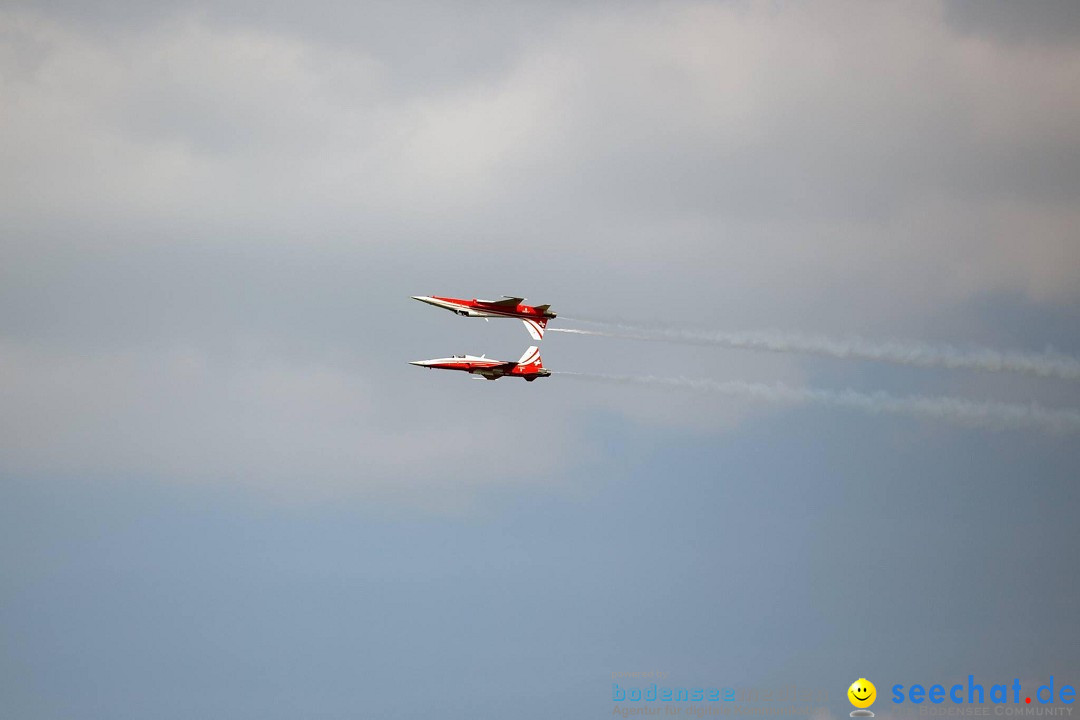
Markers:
{"x": 490, "y": 374}
{"x": 494, "y": 372}
{"x": 507, "y": 301}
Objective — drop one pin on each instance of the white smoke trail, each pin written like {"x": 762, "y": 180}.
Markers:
{"x": 994, "y": 415}
{"x": 1048, "y": 364}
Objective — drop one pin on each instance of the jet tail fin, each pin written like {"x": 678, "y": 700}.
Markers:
{"x": 531, "y": 359}
{"x": 535, "y": 327}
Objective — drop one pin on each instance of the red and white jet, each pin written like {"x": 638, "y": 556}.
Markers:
{"x": 534, "y": 317}
{"x": 530, "y": 366}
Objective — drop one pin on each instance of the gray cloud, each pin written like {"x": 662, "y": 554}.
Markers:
{"x": 1040, "y": 22}
{"x": 188, "y": 179}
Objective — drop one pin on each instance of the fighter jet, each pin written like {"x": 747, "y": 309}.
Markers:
{"x": 529, "y": 366}
{"x": 534, "y": 317}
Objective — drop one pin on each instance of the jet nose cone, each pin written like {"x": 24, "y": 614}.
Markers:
{"x": 421, "y": 363}
{"x": 423, "y": 298}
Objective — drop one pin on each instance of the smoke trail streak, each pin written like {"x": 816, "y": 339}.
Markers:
{"x": 1046, "y": 364}
{"x": 994, "y": 415}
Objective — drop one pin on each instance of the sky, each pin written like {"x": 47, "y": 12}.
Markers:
{"x": 224, "y": 493}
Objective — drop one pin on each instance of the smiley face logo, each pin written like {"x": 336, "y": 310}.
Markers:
{"x": 862, "y": 693}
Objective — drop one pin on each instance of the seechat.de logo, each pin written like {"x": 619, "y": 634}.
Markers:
{"x": 975, "y": 693}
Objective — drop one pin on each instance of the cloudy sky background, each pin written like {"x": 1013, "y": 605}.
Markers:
{"x": 225, "y": 493}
